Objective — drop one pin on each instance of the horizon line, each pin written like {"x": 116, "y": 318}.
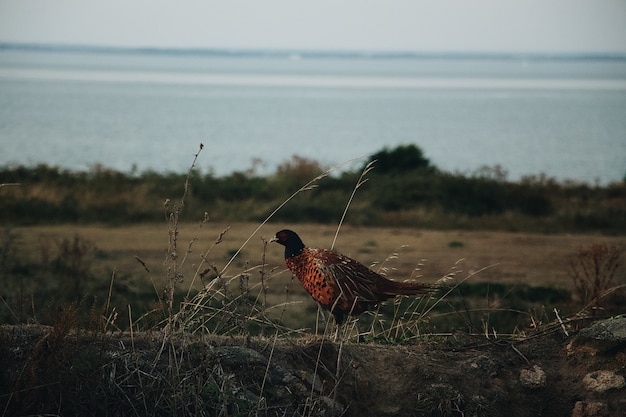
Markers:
{"x": 295, "y": 53}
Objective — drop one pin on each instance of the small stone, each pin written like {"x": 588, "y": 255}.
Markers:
{"x": 604, "y": 335}
{"x": 326, "y": 406}
{"x": 600, "y": 381}
{"x": 313, "y": 380}
{"x": 590, "y": 409}
{"x": 533, "y": 378}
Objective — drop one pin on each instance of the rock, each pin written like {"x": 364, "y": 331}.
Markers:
{"x": 533, "y": 378}
{"x": 604, "y": 335}
{"x": 600, "y": 381}
{"x": 313, "y": 380}
{"x": 325, "y": 406}
{"x": 484, "y": 364}
{"x": 237, "y": 356}
{"x": 280, "y": 385}
{"x": 590, "y": 409}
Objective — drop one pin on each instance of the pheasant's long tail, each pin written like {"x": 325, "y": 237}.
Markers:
{"x": 409, "y": 288}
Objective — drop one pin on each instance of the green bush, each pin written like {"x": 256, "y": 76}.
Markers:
{"x": 400, "y": 160}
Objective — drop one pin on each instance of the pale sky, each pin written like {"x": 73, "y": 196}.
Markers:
{"x": 369, "y": 25}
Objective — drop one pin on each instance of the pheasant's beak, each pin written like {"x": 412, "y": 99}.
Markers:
{"x": 274, "y": 239}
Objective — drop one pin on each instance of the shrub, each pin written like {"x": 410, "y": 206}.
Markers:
{"x": 401, "y": 159}
{"x": 472, "y": 196}
{"x": 593, "y": 272}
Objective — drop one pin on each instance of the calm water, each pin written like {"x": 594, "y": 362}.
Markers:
{"x": 564, "y": 118}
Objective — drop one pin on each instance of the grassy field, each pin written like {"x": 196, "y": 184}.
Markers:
{"x": 513, "y": 258}
{"x": 500, "y": 263}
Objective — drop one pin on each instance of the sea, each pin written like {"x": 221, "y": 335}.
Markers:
{"x": 83, "y": 108}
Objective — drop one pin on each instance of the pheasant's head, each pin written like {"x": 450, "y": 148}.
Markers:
{"x": 291, "y": 241}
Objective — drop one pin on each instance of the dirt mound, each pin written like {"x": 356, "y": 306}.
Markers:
{"x": 48, "y": 371}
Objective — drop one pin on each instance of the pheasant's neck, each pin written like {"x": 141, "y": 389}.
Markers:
{"x": 292, "y": 251}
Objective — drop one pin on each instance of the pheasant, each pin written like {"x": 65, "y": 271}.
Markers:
{"x": 338, "y": 283}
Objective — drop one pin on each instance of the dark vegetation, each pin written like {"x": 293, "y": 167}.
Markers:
{"x": 404, "y": 189}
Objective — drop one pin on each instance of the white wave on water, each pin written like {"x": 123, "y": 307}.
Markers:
{"x": 318, "y": 81}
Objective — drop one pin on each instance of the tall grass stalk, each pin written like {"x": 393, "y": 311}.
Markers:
{"x": 362, "y": 180}
{"x": 172, "y": 260}
{"x": 109, "y": 317}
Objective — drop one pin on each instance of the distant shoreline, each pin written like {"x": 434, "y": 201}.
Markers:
{"x": 316, "y": 54}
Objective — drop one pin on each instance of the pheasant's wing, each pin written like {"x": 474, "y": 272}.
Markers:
{"x": 354, "y": 281}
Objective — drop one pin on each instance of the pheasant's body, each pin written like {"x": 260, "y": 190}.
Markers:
{"x": 341, "y": 284}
